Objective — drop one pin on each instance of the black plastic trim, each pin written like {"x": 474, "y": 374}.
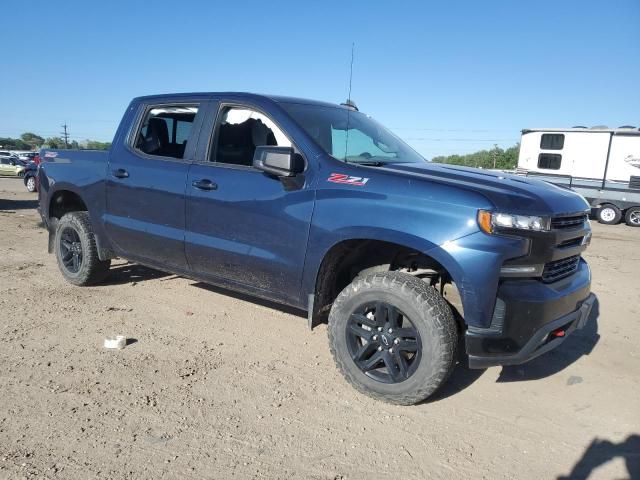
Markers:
{"x": 537, "y": 345}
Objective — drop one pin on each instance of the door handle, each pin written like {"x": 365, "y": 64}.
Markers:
{"x": 120, "y": 173}
{"x": 205, "y": 184}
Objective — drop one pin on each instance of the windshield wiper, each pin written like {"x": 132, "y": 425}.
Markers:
{"x": 373, "y": 163}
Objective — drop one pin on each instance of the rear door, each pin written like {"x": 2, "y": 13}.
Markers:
{"x": 245, "y": 228}
{"x": 146, "y": 177}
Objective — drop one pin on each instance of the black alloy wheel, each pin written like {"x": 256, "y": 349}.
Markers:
{"x": 383, "y": 342}
{"x": 71, "y": 250}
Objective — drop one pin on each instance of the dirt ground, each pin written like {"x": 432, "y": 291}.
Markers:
{"x": 218, "y": 385}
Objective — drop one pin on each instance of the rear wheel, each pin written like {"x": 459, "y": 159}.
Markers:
{"x": 632, "y": 217}
{"x": 609, "y": 214}
{"x": 76, "y": 251}
{"x": 393, "y": 337}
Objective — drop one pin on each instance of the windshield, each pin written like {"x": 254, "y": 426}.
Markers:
{"x": 351, "y": 136}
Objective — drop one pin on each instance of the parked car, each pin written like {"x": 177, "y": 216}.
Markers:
{"x": 11, "y": 166}
{"x": 318, "y": 206}
{"x": 31, "y": 177}
{"x": 28, "y": 156}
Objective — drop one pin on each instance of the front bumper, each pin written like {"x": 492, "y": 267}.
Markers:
{"x": 530, "y": 319}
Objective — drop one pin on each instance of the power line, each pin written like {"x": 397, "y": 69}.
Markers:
{"x": 470, "y": 130}
{"x": 491, "y": 140}
{"x": 52, "y": 134}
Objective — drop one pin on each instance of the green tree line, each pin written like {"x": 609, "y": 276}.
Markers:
{"x": 494, "y": 158}
{"x": 31, "y": 141}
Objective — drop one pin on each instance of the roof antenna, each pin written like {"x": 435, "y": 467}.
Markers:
{"x": 350, "y": 103}
{"x": 350, "y": 106}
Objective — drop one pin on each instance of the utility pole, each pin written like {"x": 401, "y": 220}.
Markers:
{"x": 65, "y": 135}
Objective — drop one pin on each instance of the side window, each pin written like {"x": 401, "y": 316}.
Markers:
{"x": 165, "y": 130}
{"x": 549, "y": 161}
{"x": 552, "y": 141}
{"x": 4, "y": 161}
{"x": 239, "y": 131}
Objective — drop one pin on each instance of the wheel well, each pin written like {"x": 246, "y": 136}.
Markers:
{"x": 65, "y": 201}
{"x": 351, "y": 258}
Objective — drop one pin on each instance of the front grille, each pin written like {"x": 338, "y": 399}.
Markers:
{"x": 573, "y": 221}
{"x": 634, "y": 182}
{"x": 560, "y": 268}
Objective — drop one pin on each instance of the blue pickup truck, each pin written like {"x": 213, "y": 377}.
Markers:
{"x": 318, "y": 206}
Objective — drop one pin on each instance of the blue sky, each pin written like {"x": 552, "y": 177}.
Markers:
{"x": 448, "y": 77}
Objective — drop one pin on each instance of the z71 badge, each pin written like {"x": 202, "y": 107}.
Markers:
{"x": 342, "y": 178}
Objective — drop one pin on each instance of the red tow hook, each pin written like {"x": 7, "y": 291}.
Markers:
{"x": 558, "y": 333}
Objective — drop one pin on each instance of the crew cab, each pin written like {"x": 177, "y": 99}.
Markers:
{"x": 318, "y": 206}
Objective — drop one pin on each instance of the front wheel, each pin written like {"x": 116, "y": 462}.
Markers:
{"x": 76, "y": 251}
{"x": 393, "y": 337}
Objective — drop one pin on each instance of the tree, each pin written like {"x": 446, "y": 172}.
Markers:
{"x": 34, "y": 141}
{"x": 13, "y": 144}
{"x": 487, "y": 159}
{"x": 93, "y": 145}
{"x": 54, "y": 142}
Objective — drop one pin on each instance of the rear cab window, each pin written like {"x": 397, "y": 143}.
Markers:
{"x": 165, "y": 130}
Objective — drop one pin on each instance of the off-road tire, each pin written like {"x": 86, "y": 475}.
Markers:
{"x": 609, "y": 214}
{"x": 427, "y": 311}
{"x": 92, "y": 269}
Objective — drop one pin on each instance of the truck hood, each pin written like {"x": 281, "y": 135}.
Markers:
{"x": 509, "y": 193}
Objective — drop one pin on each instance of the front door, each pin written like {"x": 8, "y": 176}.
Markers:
{"x": 5, "y": 167}
{"x": 246, "y": 228}
{"x": 145, "y": 188}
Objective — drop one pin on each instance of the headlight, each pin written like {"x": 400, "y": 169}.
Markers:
{"x": 490, "y": 221}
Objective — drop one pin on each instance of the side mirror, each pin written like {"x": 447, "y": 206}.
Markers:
{"x": 279, "y": 161}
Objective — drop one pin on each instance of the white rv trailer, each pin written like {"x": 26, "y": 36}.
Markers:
{"x": 602, "y": 164}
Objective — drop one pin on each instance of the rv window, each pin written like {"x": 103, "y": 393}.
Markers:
{"x": 550, "y": 161}
{"x": 552, "y": 141}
